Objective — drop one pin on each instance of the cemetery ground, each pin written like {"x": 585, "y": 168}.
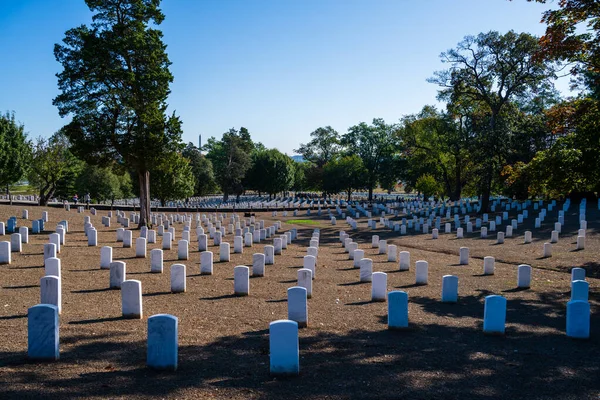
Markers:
{"x": 345, "y": 352}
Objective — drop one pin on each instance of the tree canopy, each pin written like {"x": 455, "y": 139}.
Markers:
{"x": 114, "y": 84}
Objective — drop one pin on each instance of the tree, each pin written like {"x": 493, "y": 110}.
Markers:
{"x": 428, "y": 186}
{"x": 52, "y": 163}
{"x": 491, "y": 70}
{"x": 344, "y": 174}
{"x": 102, "y": 183}
{"x": 573, "y": 35}
{"x": 271, "y": 172}
{"x": 300, "y": 180}
{"x": 322, "y": 148}
{"x": 231, "y": 158}
{"x": 202, "y": 169}
{"x": 114, "y": 85}
{"x": 173, "y": 179}
{"x": 375, "y": 144}
{"x": 15, "y": 152}
{"x": 437, "y": 144}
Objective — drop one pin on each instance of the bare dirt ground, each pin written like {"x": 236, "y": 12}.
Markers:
{"x": 346, "y": 351}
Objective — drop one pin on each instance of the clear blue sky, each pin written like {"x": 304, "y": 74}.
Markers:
{"x": 281, "y": 68}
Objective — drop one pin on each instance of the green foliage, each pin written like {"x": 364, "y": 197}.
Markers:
{"x": 487, "y": 72}
{"x": 300, "y": 176}
{"x": 114, "y": 85}
{"x": 271, "y": 172}
{"x": 15, "y": 151}
{"x": 204, "y": 177}
{"x": 428, "y": 186}
{"x": 375, "y": 144}
{"x": 437, "y": 144}
{"x": 173, "y": 179}
{"x": 344, "y": 174}
{"x": 322, "y": 148}
{"x": 103, "y": 184}
{"x": 231, "y": 159}
{"x": 53, "y": 168}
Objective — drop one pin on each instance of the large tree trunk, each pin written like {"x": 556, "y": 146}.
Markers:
{"x": 144, "y": 180}
{"x": 370, "y": 193}
{"x": 457, "y": 181}
{"x": 487, "y": 191}
{"x": 9, "y": 195}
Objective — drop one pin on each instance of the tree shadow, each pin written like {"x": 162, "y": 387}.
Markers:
{"x": 425, "y": 361}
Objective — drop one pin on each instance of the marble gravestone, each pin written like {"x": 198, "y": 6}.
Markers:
{"x": 43, "y": 333}
{"x": 162, "y": 342}
{"x": 397, "y": 310}
{"x": 284, "y": 355}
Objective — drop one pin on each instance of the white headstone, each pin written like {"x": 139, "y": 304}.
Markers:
{"x": 464, "y": 256}
{"x": 449, "y": 289}
{"x": 421, "y": 272}
{"x": 404, "y": 261}
{"x": 258, "y": 264}
{"x": 366, "y": 269}
{"x": 494, "y": 315}
{"x": 156, "y": 261}
{"x": 131, "y": 299}
{"x": 51, "y": 291}
{"x": 183, "y": 250}
{"x": 378, "y": 286}
{"x": 488, "y": 265}
{"x": 524, "y": 276}
{"x": 224, "y": 252}
{"x": 357, "y": 256}
{"x": 52, "y": 267}
{"x": 310, "y": 263}
{"x": 178, "y": 278}
{"x": 238, "y": 244}
{"x": 105, "y": 257}
{"x": 241, "y": 280}
{"x": 305, "y": 280}
{"x": 118, "y": 271}
{"x": 392, "y": 253}
{"x": 206, "y": 263}
{"x": 578, "y": 319}
{"x": 298, "y": 305}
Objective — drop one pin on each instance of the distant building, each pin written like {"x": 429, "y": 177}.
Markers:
{"x": 298, "y": 158}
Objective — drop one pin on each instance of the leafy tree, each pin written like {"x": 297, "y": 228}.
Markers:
{"x": 323, "y": 147}
{"x": 204, "y": 177}
{"x": 428, "y": 186}
{"x": 573, "y": 35}
{"x": 15, "y": 152}
{"x": 173, "y": 179}
{"x": 231, "y": 159}
{"x": 103, "y": 184}
{"x": 300, "y": 179}
{"x": 375, "y": 144}
{"x": 436, "y": 143}
{"x": 344, "y": 174}
{"x": 52, "y": 164}
{"x": 491, "y": 70}
{"x": 114, "y": 85}
{"x": 271, "y": 172}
